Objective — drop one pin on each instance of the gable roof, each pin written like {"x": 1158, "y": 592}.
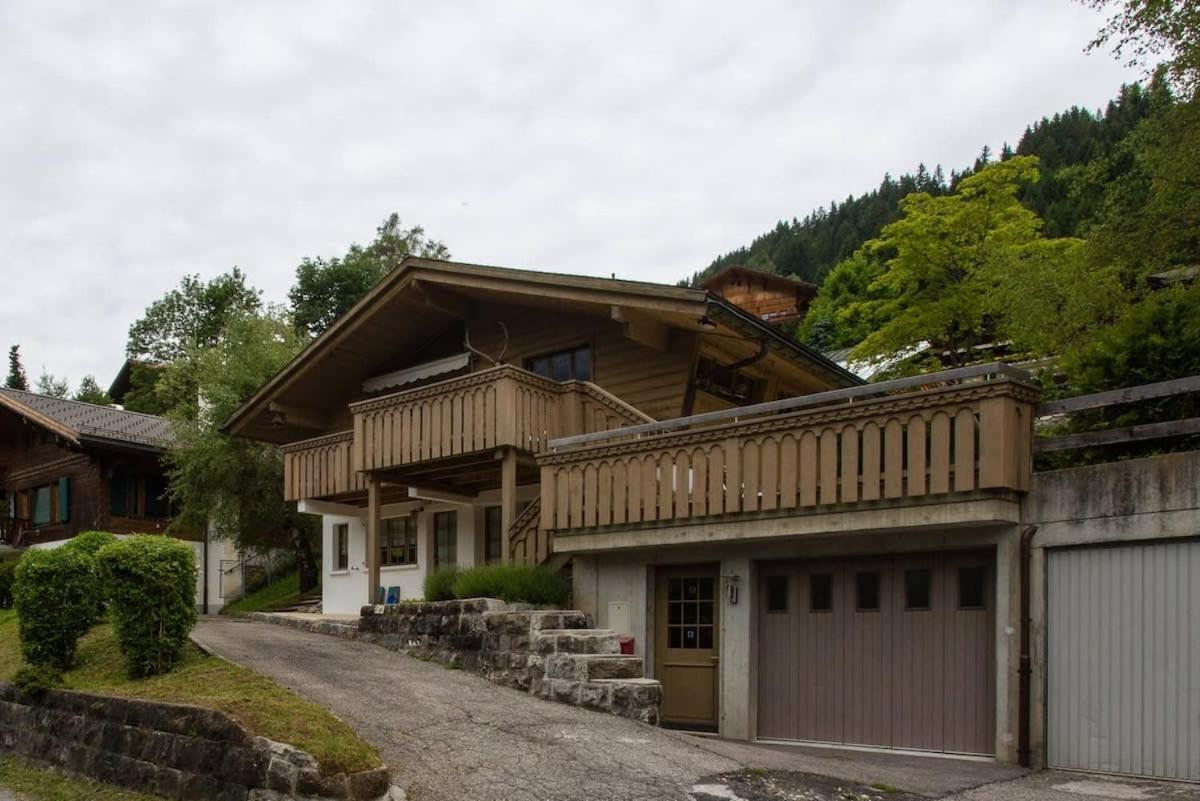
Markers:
{"x": 774, "y": 280}
{"x": 680, "y": 302}
{"x": 80, "y": 423}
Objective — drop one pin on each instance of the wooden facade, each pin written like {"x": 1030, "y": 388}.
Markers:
{"x": 776, "y": 299}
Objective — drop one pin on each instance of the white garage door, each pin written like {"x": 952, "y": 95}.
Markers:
{"x": 1123, "y": 659}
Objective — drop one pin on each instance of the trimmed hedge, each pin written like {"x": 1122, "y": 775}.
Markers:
{"x": 55, "y": 593}
{"x": 151, "y": 581}
{"x": 439, "y": 585}
{"x": 513, "y": 583}
{"x": 90, "y": 542}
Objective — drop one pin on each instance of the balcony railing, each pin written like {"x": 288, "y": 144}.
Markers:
{"x": 503, "y": 406}
{"x": 936, "y": 435}
{"x": 320, "y": 468}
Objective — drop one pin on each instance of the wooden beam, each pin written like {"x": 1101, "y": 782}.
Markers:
{"x": 643, "y": 329}
{"x": 374, "y": 524}
{"x": 1160, "y": 389}
{"x": 440, "y": 495}
{"x": 1113, "y": 436}
{"x": 443, "y": 300}
{"x": 298, "y": 418}
{"x": 508, "y": 500}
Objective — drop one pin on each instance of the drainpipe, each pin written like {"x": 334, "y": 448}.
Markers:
{"x": 205, "y": 570}
{"x": 1025, "y": 671}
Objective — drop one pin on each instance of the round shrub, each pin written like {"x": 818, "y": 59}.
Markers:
{"x": 90, "y": 542}
{"x": 55, "y": 594}
{"x": 513, "y": 583}
{"x": 152, "y": 585}
{"x": 439, "y": 585}
{"x": 35, "y": 680}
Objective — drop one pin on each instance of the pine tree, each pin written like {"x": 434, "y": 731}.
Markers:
{"x": 16, "y": 373}
{"x": 90, "y": 392}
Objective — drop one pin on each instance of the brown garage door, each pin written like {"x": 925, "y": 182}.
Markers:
{"x": 892, "y": 651}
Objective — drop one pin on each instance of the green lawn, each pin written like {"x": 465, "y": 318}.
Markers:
{"x": 258, "y": 703}
{"x": 281, "y": 592}
{"x": 39, "y": 784}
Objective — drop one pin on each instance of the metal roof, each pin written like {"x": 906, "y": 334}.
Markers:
{"x": 87, "y": 421}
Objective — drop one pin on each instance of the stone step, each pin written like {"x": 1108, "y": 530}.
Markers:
{"x": 591, "y": 667}
{"x": 576, "y": 641}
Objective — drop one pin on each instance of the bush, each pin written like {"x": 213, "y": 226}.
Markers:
{"x": 8, "y": 568}
{"x": 152, "y": 586}
{"x": 513, "y": 583}
{"x": 55, "y": 594}
{"x": 90, "y": 543}
{"x": 439, "y": 585}
{"x": 34, "y": 680}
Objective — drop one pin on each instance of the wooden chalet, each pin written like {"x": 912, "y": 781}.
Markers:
{"x": 777, "y": 299}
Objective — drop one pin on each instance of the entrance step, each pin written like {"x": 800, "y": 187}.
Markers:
{"x": 576, "y": 641}
{"x": 592, "y": 667}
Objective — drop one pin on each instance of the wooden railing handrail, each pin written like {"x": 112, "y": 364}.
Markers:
{"x": 1113, "y": 397}
{"x": 849, "y": 394}
{"x": 451, "y": 384}
{"x": 317, "y": 442}
{"x": 610, "y": 400}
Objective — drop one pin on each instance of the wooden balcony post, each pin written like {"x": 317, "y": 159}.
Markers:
{"x": 374, "y": 523}
{"x": 508, "y": 500}
{"x": 999, "y": 447}
{"x": 506, "y": 411}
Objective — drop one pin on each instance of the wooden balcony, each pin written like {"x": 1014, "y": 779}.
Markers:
{"x": 320, "y": 468}
{"x": 446, "y": 434}
{"x": 899, "y": 442}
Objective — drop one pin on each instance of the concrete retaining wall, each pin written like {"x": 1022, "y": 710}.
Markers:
{"x": 175, "y": 751}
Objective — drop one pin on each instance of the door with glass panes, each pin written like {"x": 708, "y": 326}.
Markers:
{"x": 686, "y": 644}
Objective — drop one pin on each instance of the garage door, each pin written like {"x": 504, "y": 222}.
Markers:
{"x": 890, "y": 651}
{"x": 1123, "y": 659}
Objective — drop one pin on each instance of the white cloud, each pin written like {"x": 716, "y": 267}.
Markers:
{"x": 142, "y": 142}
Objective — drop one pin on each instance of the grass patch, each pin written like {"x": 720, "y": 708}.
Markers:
{"x": 39, "y": 784}
{"x": 281, "y": 592}
{"x": 258, "y": 703}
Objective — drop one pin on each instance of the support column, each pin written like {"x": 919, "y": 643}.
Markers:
{"x": 508, "y": 500}
{"x": 374, "y": 523}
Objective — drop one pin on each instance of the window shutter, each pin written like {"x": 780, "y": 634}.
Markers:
{"x": 64, "y": 499}
{"x": 118, "y": 492}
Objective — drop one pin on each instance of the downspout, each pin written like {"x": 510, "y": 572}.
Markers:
{"x": 1025, "y": 670}
{"x": 205, "y": 571}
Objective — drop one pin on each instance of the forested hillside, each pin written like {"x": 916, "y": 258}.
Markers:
{"x": 809, "y": 248}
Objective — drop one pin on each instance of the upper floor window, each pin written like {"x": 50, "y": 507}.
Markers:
{"x": 563, "y": 365}
{"x": 137, "y": 495}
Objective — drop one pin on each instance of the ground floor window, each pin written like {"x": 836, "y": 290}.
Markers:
{"x": 341, "y": 544}
{"x": 398, "y": 541}
{"x": 445, "y": 539}
{"x": 44, "y": 505}
{"x": 493, "y": 535}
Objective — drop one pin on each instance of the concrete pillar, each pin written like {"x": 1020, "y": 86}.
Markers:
{"x": 1008, "y": 644}
{"x": 374, "y": 524}
{"x": 737, "y": 664}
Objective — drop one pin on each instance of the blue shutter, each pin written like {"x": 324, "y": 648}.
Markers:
{"x": 64, "y": 499}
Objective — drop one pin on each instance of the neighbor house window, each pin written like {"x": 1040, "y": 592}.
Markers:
{"x": 45, "y": 505}
{"x": 341, "y": 545}
{"x": 398, "y": 541}
{"x": 445, "y": 539}
{"x": 563, "y": 365}
{"x": 158, "y": 504}
{"x": 493, "y": 535}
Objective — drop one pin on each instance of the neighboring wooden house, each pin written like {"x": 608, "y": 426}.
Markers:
{"x": 798, "y": 556}
{"x": 777, "y": 299}
{"x": 68, "y": 466}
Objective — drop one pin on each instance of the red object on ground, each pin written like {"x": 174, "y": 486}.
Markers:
{"x": 626, "y": 645}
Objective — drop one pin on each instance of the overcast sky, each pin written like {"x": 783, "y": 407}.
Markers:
{"x": 140, "y": 141}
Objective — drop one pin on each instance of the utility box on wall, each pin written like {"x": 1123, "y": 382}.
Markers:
{"x": 618, "y": 617}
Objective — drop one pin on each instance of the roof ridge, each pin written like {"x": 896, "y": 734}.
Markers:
{"x": 83, "y": 403}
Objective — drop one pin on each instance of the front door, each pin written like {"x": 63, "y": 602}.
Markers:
{"x": 686, "y": 644}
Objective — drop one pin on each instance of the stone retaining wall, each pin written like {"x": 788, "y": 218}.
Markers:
{"x": 555, "y": 655}
{"x": 175, "y": 751}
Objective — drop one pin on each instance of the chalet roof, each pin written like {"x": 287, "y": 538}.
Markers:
{"x": 81, "y": 423}
{"x": 774, "y": 280}
{"x": 430, "y": 278}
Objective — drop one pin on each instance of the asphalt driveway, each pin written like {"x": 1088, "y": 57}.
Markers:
{"x": 449, "y": 734}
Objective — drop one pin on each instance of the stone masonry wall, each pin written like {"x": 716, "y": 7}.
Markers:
{"x": 555, "y": 655}
{"x": 179, "y": 752}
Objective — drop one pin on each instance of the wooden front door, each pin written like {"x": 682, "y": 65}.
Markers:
{"x": 687, "y": 644}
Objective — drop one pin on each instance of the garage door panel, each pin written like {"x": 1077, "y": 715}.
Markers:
{"x": 778, "y": 690}
{"x": 968, "y": 712}
{"x": 820, "y": 655}
{"x": 920, "y": 657}
{"x": 1123, "y": 659}
{"x": 868, "y": 656}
